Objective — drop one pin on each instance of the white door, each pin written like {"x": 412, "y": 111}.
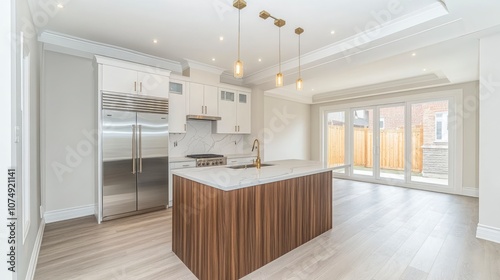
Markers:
{"x": 121, "y": 80}
{"x": 211, "y": 101}
{"x": 227, "y": 112}
{"x": 177, "y": 107}
{"x": 196, "y": 105}
{"x": 243, "y": 113}
{"x": 153, "y": 84}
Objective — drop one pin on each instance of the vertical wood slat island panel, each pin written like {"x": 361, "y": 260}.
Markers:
{"x": 228, "y": 234}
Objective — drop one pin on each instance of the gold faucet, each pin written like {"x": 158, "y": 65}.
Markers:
{"x": 257, "y": 161}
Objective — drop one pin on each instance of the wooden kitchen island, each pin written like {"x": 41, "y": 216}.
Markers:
{"x": 230, "y": 222}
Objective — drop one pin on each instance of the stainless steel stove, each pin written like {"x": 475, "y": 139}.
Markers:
{"x": 203, "y": 160}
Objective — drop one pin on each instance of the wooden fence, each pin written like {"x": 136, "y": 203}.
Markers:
{"x": 391, "y": 147}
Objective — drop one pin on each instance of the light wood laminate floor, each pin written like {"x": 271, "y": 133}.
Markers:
{"x": 380, "y": 232}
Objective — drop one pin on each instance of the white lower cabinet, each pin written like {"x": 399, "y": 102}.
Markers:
{"x": 240, "y": 161}
{"x": 173, "y": 166}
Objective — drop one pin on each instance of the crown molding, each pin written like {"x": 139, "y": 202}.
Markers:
{"x": 428, "y": 80}
{"x": 68, "y": 44}
{"x": 352, "y": 45}
{"x": 290, "y": 96}
{"x": 188, "y": 63}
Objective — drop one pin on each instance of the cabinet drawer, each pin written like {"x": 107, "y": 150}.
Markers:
{"x": 183, "y": 164}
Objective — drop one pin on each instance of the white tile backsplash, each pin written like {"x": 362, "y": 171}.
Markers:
{"x": 199, "y": 139}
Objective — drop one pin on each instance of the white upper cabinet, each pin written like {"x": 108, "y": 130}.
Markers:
{"x": 118, "y": 79}
{"x": 235, "y": 112}
{"x": 177, "y": 107}
{"x": 152, "y": 84}
{"x": 203, "y": 100}
{"x": 131, "y": 78}
{"x": 243, "y": 113}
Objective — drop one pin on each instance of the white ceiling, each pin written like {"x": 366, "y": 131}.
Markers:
{"x": 373, "y": 41}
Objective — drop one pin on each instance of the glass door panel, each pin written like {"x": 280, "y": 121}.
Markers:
{"x": 336, "y": 132}
{"x": 362, "y": 126}
{"x": 392, "y": 142}
{"x": 429, "y": 124}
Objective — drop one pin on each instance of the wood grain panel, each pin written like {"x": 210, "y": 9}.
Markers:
{"x": 228, "y": 234}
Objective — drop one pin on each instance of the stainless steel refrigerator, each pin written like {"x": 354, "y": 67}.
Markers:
{"x": 134, "y": 156}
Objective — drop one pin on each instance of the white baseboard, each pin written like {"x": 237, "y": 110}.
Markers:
{"x": 468, "y": 191}
{"x": 488, "y": 233}
{"x": 30, "y": 274}
{"x": 69, "y": 213}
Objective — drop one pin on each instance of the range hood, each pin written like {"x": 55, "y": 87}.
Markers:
{"x": 203, "y": 117}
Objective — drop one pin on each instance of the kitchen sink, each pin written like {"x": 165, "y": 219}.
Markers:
{"x": 244, "y": 166}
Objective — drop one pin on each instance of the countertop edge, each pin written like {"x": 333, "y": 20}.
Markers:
{"x": 221, "y": 174}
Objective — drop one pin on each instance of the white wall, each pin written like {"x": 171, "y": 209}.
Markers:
{"x": 6, "y": 118}
{"x": 70, "y": 125}
{"x": 489, "y": 148}
{"x": 286, "y": 129}
{"x": 25, "y": 24}
{"x": 469, "y": 115}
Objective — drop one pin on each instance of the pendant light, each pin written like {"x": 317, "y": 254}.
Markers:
{"x": 238, "y": 64}
{"x": 299, "y": 84}
{"x": 279, "y": 77}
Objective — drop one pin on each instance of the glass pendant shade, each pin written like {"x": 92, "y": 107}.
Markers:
{"x": 238, "y": 69}
{"x": 279, "y": 80}
{"x": 299, "y": 84}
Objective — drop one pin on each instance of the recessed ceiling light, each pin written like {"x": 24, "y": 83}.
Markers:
{"x": 213, "y": 59}
{"x": 221, "y": 38}
{"x": 425, "y": 69}
{"x": 155, "y": 41}
{"x": 332, "y": 32}
{"x": 260, "y": 59}
{"x": 60, "y": 6}
{"x": 312, "y": 89}
{"x": 413, "y": 54}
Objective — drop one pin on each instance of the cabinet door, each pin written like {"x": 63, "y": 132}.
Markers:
{"x": 211, "y": 101}
{"x": 243, "y": 109}
{"x": 121, "y": 80}
{"x": 177, "y": 107}
{"x": 196, "y": 104}
{"x": 152, "y": 84}
{"x": 227, "y": 112}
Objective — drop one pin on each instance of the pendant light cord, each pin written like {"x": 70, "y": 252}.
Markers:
{"x": 239, "y": 31}
{"x": 299, "y": 55}
{"x": 279, "y": 48}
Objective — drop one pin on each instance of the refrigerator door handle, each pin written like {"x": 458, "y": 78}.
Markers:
{"x": 133, "y": 149}
{"x": 140, "y": 148}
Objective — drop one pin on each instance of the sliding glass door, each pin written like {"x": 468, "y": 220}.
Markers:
{"x": 392, "y": 142}
{"x": 402, "y": 143}
{"x": 429, "y": 124}
{"x": 336, "y": 141}
{"x": 362, "y": 141}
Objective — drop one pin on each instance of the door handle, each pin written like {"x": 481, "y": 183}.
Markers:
{"x": 140, "y": 87}
{"x": 185, "y": 127}
{"x": 133, "y": 148}
{"x": 202, "y": 109}
{"x": 140, "y": 148}
{"x": 135, "y": 86}
{"x": 206, "y": 111}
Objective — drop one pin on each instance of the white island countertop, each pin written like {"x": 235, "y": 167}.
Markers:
{"x": 225, "y": 178}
